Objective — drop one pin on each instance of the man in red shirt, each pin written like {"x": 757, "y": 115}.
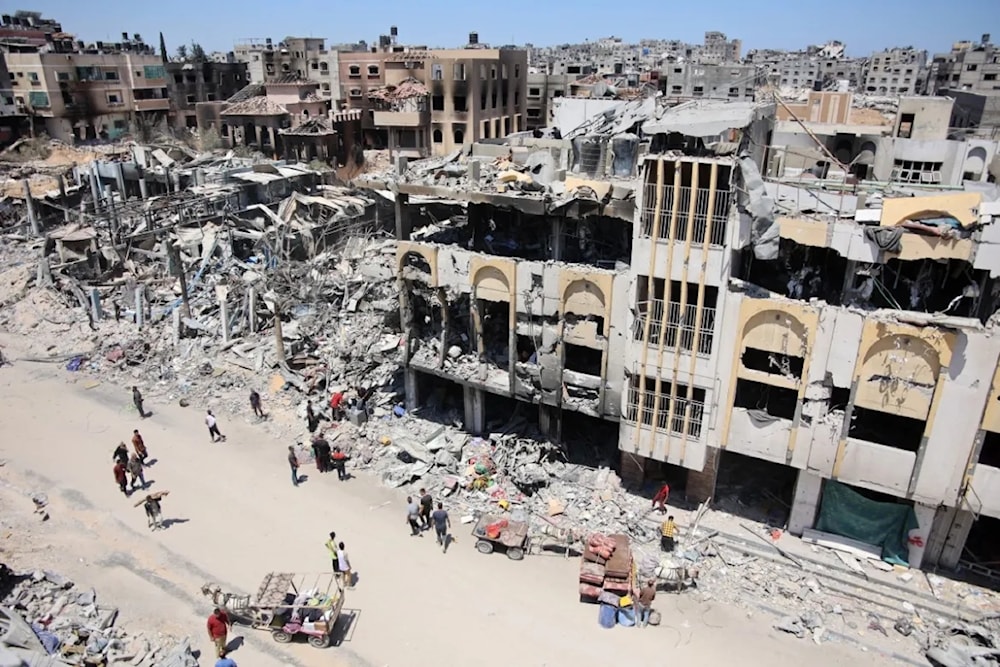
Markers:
{"x": 218, "y": 630}
{"x": 660, "y": 499}
{"x": 335, "y": 401}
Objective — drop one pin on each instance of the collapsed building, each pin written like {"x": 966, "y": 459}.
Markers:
{"x": 643, "y": 285}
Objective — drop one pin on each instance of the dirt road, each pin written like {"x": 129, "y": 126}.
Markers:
{"x": 237, "y": 516}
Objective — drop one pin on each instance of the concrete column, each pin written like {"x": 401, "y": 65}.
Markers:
{"x": 143, "y": 192}
{"x": 95, "y": 305}
{"x": 701, "y": 484}
{"x": 404, "y": 223}
{"x": 30, "y": 202}
{"x": 558, "y": 244}
{"x": 805, "y": 503}
{"x": 140, "y": 306}
{"x": 176, "y": 176}
{"x": 919, "y": 537}
{"x": 252, "y": 310}
{"x": 550, "y": 421}
{"x": 95, "y": 186}
{"x": 633, "y": 470}
{"x": 120, "y": 175}
{"x": 62, "y": 197}
{"x": 176, "y": 314}
{"x": 960, "y": 523}
{"x": 44, "y": 275}
{"x": 222, "y": 294}
{"x": 475, "y": 410}
{"x": 166, "y": 179}
{"x": 412, "y": 394}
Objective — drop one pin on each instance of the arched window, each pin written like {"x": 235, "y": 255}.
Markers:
{"x": 438, "y": 138}
{"x": 459, "y": 136}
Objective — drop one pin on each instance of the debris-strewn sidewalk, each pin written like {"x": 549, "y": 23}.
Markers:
{"x": 46, "y": 620}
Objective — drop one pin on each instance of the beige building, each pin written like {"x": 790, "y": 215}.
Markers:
{"x": 475, "y": 93}
{"x": 302, "y": 57}
{"x": 88, "y": 95}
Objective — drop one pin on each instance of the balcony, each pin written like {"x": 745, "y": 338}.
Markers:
{"x": 153, "y": 105}
{"x": 401, "y": 118}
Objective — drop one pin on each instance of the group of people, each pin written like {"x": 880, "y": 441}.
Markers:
{"x": 421, "y": 516}
{"x": 341, "y": 562}
{"x": 130, "y": 465}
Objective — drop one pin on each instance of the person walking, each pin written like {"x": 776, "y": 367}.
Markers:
{"x": 293, "y": 461}
{"x": 345, "y": 575}
{"x": 154, "y": 514}
{"x": 667, "y": 531}
{"x": 121, "y": 454}
{"x": 224, "y": 660}
{"x": 644, "y": 605}
{"x": 255, "y": 404}
{"x": 139, "y": 445}
{"x": 339, "y": 463}
{"x": 311, "y": 420}
{"x": 442, "y": 523}
{"x": 331, "y": 547}
{"x": 660, "y": 499}
{"x": 218, "y": 630}
{"x": 426, "y": 507}
{"x": 137, "y": 401}
{"x": 135, "y": 470}
{"x": 413, "y": 517}
{"x": 120, "y": 476}
{"x": 318, "y": 456}
{"x": 213, "y": 427}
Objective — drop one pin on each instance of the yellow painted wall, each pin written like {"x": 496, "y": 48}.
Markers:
{"x": 428, "y": 252}
{"x": 493, "y": 279}
{"x": 918, "y": 246}
{"x": 963, "y": 206}
{"x": 585, "y": 293}
{"x": 991, "y": 417}
{"x": 894, "y": 355}
{"x": 805, "y": 232}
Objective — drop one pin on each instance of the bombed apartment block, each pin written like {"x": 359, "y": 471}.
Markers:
{"x": 839, "y": 329}
{"x": 816, "y": 336}
{"x": 514, "y": 257}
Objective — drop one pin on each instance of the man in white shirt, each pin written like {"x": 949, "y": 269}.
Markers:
{"x": 213, "y": 427}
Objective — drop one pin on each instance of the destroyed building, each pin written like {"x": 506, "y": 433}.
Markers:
{"x": 640, "y": 281}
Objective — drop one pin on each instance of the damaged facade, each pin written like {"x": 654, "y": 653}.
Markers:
{"x": 642, "y": 271}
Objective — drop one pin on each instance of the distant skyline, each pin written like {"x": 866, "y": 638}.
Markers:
{"x": 864, "y": 25}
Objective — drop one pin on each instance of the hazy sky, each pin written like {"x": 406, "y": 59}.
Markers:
{"x": 864, "y": 25}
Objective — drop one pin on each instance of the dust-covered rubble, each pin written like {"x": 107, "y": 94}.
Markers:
{"x": 46, "y": 620}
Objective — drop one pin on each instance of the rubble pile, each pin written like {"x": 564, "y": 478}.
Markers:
{"x": 45, "y": 620}
{"x": 509, "y": 468}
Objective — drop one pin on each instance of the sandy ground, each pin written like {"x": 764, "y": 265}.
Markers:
{"x": 238, "y": 516}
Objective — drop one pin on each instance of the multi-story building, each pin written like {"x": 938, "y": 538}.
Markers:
{"x": 542, "y": 89}
{"x": 688, "y": 80}
{"x": 11, "y": 119}
{"x": 896, "y": 71}
{"x": 713, "y": 323}
{"x": 812, "y": 73}
{"x": 969, "y": 67}
{"x": 302, "y": 57}
{"x": 73, "y": 91}
{"x": 475, "y": 93}
{"x": 192, "y": 82}
{"x": 29, "y": 29}
{"x": 718, "y": 49}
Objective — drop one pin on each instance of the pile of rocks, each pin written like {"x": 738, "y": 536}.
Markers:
{"x": 46, "y": 620}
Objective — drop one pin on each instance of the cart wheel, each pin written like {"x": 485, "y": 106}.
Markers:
{"x": 281, "y": 636}
{"x": 484, "y": 547}
{"x": 319, "y": 641}
{"x": 515, "y": 553}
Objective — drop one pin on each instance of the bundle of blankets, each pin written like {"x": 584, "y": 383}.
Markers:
{"x": 606, "y": 569}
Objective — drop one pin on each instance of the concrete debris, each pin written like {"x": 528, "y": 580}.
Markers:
{"x": 45, "y": 621}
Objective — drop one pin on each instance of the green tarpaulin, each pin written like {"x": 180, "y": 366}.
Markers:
{"x": 847, "y": 513}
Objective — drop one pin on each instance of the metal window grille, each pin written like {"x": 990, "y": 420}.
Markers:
{"x": 679, "y": 331}
{"x": 720, "y": 215}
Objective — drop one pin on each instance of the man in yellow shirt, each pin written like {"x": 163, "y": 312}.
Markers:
{"x": 667, "y": 530}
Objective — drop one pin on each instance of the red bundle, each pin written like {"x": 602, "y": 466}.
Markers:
{"x": 493, "y": 529}
{"x": 589, "y": 593}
